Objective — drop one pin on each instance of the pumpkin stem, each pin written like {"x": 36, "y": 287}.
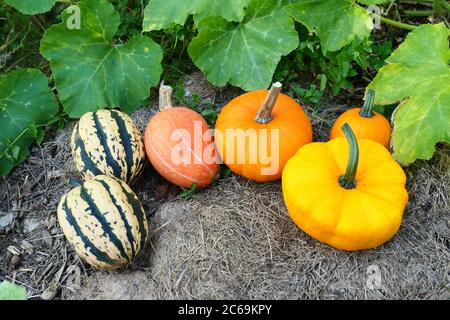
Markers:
{"x": 348, "y": 180}
{"x": 165, "y": 96}
{"x": 369, "y": 101}
{"x": 264, "y": 115}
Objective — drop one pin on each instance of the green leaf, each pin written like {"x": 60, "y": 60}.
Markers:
{"x": 32, "y": 7}
{"x": 323, "y": 81}
{"x": 336, "y": 22}
{"x": 37, "y": 133}
{"x": 15, "y": 152}
{"x": 418, "y": 74}
{"x": 25, "y": 100}
{"x": 40, "y": 135}
{"x": 244, "y": 54}
{"x": 160, "y": 14}
{"x": 93, "y": 70}
{"x": 11, "y": 291}
{"x": 32, "y": 130}
{"x": 188, "y": 194}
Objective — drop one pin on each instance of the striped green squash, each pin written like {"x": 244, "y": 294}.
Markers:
{"x": 108, "y": 142}
{"x": 105, "y": 222}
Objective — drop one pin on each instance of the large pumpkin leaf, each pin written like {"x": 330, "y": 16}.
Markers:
{"x": 11, "y": 291}
{"x": 32, "y": 6}
{"x": 160, "y": 14}
{"x": 418, "y": 74}
{"x": 26, "y": 103}
{"x": 244, "y": 54}
{"x": 336, "y": 22}
{"x": 92, "y": 70}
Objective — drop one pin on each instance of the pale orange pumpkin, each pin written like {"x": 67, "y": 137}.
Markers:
{"x": 365, "y": 123}
{"x": 179, "y": 144}
{"x": 258, "y": 132}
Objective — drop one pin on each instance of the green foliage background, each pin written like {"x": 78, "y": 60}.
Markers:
{"x": 321, "y": 47}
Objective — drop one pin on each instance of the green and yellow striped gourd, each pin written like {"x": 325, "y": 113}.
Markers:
{"x": 107, "y": 142}
{"x": 105, "y": 222}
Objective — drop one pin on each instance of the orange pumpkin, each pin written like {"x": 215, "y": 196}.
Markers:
{"x": 257, "y": 133}
{"x": 365, "y": 123}
{"x": 179, "y": 144}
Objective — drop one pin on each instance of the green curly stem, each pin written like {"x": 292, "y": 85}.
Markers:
{"x": 348, "y": 180}
{"x": 437, "y": 7}
{"x": 398, "y": 24}
{"x": 369, "y": 101}
{"x": 418, "y": 13}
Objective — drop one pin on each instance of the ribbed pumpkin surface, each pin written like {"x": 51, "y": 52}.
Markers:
{"x": 358, "y": 218}
{"x": 177, "y": 134}
{"x": 105, "y": 222}
{"x": 364, "y": 122}
{"x": 108, "y": 142}
{"x": 289, "y": 120}
{"x": 376, "y": 128}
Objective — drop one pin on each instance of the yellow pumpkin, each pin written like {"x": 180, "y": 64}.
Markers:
{"x": 347, "y": 193}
